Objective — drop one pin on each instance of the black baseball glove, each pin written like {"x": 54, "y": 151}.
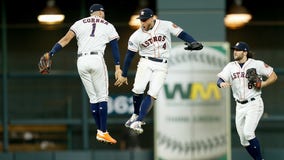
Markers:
{"x": 193, "y": 46}
{"x": 253, "y": 78}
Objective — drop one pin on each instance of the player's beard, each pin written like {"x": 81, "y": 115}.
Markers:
{"x": 238, "y": 57}
{"x": 242, "y": 58}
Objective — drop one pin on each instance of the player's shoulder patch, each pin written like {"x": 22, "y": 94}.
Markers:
{"x": 130, "y": 43}
{"x": 266, "y": 65}
{"x": 175, "y": 26}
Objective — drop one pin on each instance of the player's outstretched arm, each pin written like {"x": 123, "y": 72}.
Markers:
{"x": 45, "y": 60}
{"x": 116, "y": 58}
{"x": 191, "y": 43}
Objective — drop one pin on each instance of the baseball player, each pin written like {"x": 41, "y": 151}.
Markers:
{"x": 92, "y": 34}
{"x": 249, "y": 104}
{"x": 153, "y": 42}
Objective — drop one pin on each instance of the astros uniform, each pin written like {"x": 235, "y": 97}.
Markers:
{"x": 93, "y": 33}
{"x": 249, "y": 104}
{"x": 154, "y": 47}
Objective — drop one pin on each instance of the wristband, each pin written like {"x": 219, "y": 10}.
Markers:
{"x": 57, "y": 47}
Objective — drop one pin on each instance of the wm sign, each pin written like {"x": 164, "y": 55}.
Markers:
{"x": 193, "y": 91}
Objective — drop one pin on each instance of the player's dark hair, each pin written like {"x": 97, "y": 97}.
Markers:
{"x": 250, "y": 54}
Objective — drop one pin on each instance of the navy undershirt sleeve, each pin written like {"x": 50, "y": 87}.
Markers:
{"x": 127, "y": 61}
{"x": 219, "y": 81}
{"x": 186, "y": 37}
{"x": 115, "y": 51}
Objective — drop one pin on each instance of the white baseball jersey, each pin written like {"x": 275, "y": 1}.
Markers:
{"x": 93, "y": 33}
{"x": 153, "y": 43}
{"x": 236, "y": 76}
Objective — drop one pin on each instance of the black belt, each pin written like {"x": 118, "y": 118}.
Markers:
{"x": 84, "y": 54}
{"x": 245, "y": 101}
{"x": 155, "y": 59}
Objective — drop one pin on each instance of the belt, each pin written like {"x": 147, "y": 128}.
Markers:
{"x": 85, "y": 54}
{"x": 155, "y": 59}
{"x": 245, "y": 101}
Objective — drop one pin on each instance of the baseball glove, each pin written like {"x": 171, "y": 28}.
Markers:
{"x": 253, "y": 78}
{"x": 44, "y": 64}
{"x": 193, "y": 46}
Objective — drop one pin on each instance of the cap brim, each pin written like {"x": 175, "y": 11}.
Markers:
{"x": 238, "y": 49}
{"x": 143, "y": 18}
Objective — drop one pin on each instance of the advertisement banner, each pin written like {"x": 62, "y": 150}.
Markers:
{"x": 192, "y": 115}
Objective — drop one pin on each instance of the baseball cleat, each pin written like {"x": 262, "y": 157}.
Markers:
{"x": 105, "y": 137}
{"x": 136, "y": 126}
{"x": 131, "y": 120}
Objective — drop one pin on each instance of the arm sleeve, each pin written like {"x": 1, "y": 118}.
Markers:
{"x": 264, "y": 69}
{"x": 115, "y": 51}
{"x": 219, "y": 81}
{"x": 186, "y": 37}
{"x": 57, "y": 47}
{"x": 129, "y": 56}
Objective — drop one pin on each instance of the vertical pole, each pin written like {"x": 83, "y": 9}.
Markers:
{"x": 228, "y": 115}
{"x": 85, "y": 108}
{"x": 85, "y": 122}
{"x": 83, "y": 8}
{"x": 5, "y": 81}
{"x": 69, "y": 116}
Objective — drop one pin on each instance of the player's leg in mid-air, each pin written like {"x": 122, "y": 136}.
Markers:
{"x": 155, "y": 84}
{"x": 96, "y": 86}
{"x": 102, "y": 133}
{"x": 141, "y": 80}
{"x": 146, "y": 106}
{"x": 137, "y": 99}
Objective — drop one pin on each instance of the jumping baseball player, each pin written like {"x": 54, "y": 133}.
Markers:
{"x": 92, "y": 34}
{"x": 243, "y": 75}
{"x": 153, "y": 43}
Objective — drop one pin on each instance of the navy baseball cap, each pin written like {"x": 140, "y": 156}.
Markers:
{"x": 145, "y": 14}
{"x": 242, "y": 46}
{"x": 96, "y": 7}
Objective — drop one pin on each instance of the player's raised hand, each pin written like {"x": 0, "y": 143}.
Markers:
{"x": 120, "y": 81}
